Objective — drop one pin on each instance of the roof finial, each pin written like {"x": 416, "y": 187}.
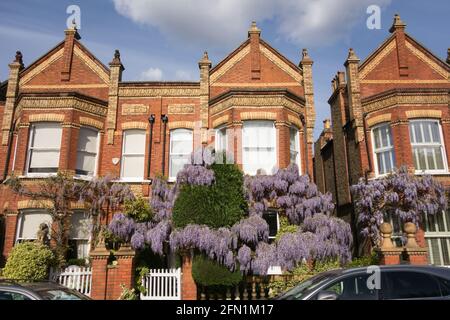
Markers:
{"x": 254, "y": 29}
{"x": 398, "y": 24}
{"x": 352, "y": 55}
{"x": 116, "y": 58}
{"x": 204, "y": 61}
{"x": 326, "y": 124}
{"x": 19, "y": 58}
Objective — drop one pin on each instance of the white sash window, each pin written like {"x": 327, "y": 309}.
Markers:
{"x": 133, "y": 155}
{"x": 259, "y": 147}
{"x": 87, "y": 152}
{"x": 294, "y": 143}
{"x": 44, "y": 148}
{"x": 29, "y": 222}
{"x": 383, "y": 149}
{"x": 181, "y": 145}
{"x": 427, "y": 146}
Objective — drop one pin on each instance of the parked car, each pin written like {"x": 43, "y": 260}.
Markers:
{"x": 377, "y": 283}
{"x": 45, "y": 290}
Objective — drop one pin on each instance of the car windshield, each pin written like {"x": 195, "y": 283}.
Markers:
{"x": 60, "y": 294}
{"x": 306, "y": 286}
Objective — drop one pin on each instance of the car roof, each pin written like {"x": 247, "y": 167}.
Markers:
{"x": 437, "y": 270}
{"x": 32, "y": 285}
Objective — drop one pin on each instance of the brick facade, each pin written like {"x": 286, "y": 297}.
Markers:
{"x": 399, "y": 82}
{"x": 70, "y": 86}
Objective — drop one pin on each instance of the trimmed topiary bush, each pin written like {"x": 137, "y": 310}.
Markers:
{"x": 209, "y": 273}
{"x": 29, "y": 261}
{"x": 220, "y": 205}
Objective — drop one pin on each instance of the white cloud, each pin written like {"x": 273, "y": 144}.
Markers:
{"x": 152, "y": 74}
{"x": 183, "y": 75}
{"x": 219, "y": 23}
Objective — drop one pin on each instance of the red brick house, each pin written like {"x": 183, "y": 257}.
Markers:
{"x": 68, "y": 111}
{"x": 389, "y": 110}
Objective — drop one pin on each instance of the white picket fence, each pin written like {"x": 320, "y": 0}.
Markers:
{"x": 74, "y": 277}
{"x": 162, "y": 284}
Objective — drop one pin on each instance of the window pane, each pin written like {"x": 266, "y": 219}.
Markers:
{"x": 259, "y": 150}
{"x": 134, "y": 142}
{"x": 47, "y": 135}
{"x": 426, "y": 132}
{"x": 29, "y": 224}
{"x": 44, "y": 161}
{"x": 85, "y": 163}
{"x": 133, "y": 166}
{"x": 221, "y": 139}
{"x": 79, "y": 225}
{"x": 8, "y": 295}
{"x": 436, "y": 137}
{"x": 177, "y": 163}
{"x": 87, "y": 140}
{"x": 272, "y": 220}
{"x": 353, "y": 288}
{"x": 407, "y": 285}
{"x": 438, "y": 157}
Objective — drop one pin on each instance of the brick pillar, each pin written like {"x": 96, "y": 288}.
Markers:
{"x": 99, "y": 258}
{"x": 414, "y": 253}
{"x": 10, "y": 232}
{"x": 120, "y": 273}
{"x": 283, "y": 144}
{"x": 188, "y": 286}
{"x": 388, "y": 253}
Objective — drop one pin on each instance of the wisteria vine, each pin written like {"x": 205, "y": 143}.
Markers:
{"x": 245, "y": 245}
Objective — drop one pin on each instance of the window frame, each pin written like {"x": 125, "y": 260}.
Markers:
{"x": 172, "y": 178}
{"x": 217, "y": 141}
{"x": 375, "y": 150}
{"x": 439, "y": 235}
{"x": 297, "y": 143}
{"x": 88, "y": 239}
{"x": 271, "y": 211}
{"x": 30, "y": 148}
{"x": 274, "y": 147}
{"x": 123, "y": 155}
{"x": 19, "y": 225}
{"x": 441, "y": 145}
{"x": 97, "y": 148}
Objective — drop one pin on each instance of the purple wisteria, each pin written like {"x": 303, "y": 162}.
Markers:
{"x": 245, "y": 245}
{"x": 400, "y": 194}
{"x": 295, "y": 194}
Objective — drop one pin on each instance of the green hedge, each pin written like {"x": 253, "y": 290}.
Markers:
{"x": 209, "y": 273}
{"x": 222, "y": 204}
{"x": 29, "y": 261}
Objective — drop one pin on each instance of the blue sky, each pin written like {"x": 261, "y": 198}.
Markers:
{"x": 164, "y": 39}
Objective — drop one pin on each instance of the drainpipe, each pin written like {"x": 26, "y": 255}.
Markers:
{"x": 164, "y": 119}
{"x": 8, "y": 152}
{"x": 151, "y": 120}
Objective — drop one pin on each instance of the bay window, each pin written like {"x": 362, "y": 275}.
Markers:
{"x": 29, "y": 222}
{"x": 133, "y": 154}
{"x": 44, "y": 148}
{"x": 181, "y": 145}
{"x": 259, "y": 147}
{"x": 87, "y": 151}
{"x": 294, "y": 147}
{"x": 427, "y": 145}
{"x": 383, "y": 149}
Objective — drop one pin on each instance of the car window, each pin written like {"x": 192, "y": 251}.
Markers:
{"x": 9, "y": 295}
{"x": 304, "y": 287}
{"x": 58, "y": 294}
{"x": 410, "y": 285}
{"x": 353, "y": 287}
{"x": 445, "y": 286}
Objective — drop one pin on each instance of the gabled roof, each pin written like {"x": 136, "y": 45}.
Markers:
{"x": 231, "y": 55}
{"x": 409, "y": 38}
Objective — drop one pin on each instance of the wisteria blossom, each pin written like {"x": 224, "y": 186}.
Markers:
{"x": 400, "y": 194}
{"x": 245, "y": 245}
